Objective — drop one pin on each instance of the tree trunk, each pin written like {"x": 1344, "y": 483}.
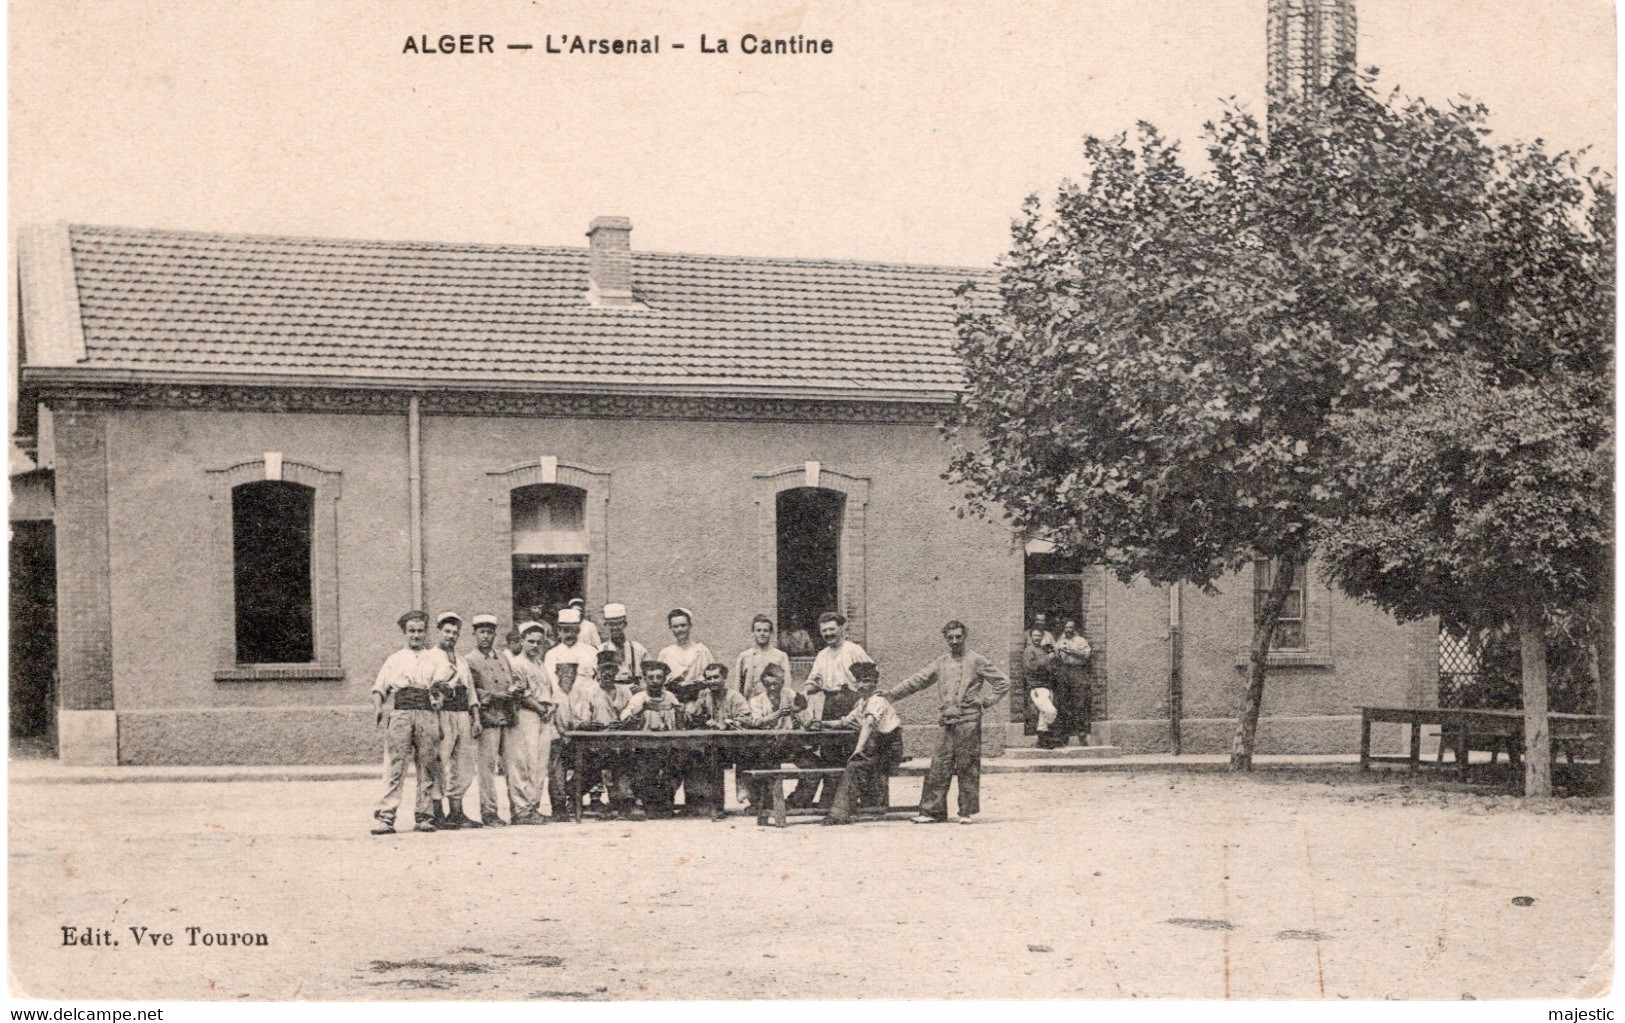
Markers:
{"x": 1537, "y": 736}
{"x": 1241, "y": 750}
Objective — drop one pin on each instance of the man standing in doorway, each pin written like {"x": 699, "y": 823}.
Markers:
{"x": 589, "y": 631}
{"x": 685, "y": 659}
{"x": 411, "y": 725}
{"x": 968, "y": 684}
{"x": 748, "y": 666}
{"x": 1072, "y": 653}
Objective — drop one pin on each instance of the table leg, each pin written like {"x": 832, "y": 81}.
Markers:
{"x": 575, "y": 786}
{"x": 721, "y": 780}
{"x": 1365, "y": 742}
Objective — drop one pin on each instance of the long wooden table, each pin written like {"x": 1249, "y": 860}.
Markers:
{"x": 722, "y": 745}
{"x": 1459, "y": 727}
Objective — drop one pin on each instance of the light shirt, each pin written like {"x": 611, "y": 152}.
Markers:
{"x": 534, "y": 676}
{"x": 404, "y": 669}
{"x": 878, "y": 711}
{"x": 687, "y": 663}
{"x": 584, "y": 657}
{"x": 730, "y": 706}
{"x": 1073, "y": 651}
{"x": 762, "y": 707}
{"x": 749, "y": 664}
{"x": 589, "y": 633}
{"x": 832, "y": 668}
{"x": 656, "y": 717}
{"x": 633, "y": 654}
{"x": 591, "y": 705}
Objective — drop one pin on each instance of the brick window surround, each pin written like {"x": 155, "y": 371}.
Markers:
{"x": 324, "y": 543}
{"x": 851, "y": 583}
{"x": 548, "y": 469}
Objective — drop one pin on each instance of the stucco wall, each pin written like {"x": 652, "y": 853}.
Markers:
{"x": 1370, "y": 660}
{"x": 682, "y": 524}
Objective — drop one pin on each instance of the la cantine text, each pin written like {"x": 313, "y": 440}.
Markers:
{"x": 103, "y": 937}
{"x": 468, "y": 43}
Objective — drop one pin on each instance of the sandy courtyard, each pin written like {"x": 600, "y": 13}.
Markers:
{"x": 1096, "y": 885}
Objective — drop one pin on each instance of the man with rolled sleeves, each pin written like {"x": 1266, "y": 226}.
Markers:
{"x": 493, "y": 678}
{"x": 968, "y": 684}
{"x": 411, "y": 723}
{"x": 459, "y": 725}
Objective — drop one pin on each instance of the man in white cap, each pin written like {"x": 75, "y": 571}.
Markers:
{"x": 589, "y": 631}
{"x": 570, "y": 664}
{"x": 533, "y": 695}
{"x": 404, "y": 707}
{"x": 685, "y": 659}
{"x": 459, "y": 724}
{"x": 630, "y": 653}
{"x": 493, "y": 678}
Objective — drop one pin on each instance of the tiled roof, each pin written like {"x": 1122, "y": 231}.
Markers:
{"x": 176, "y": 302}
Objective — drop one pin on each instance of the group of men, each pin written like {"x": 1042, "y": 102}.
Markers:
{"x": 508, "y": 711}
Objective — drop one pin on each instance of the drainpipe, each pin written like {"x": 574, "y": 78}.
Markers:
{"x": 1176, "y": 667}
{"x": 414, "y": 491}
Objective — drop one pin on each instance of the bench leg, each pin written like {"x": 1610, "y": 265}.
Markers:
{"x": 780, "y": 815}
{"x": 1416, "y": 746}
{"x": 1365, "y": 742}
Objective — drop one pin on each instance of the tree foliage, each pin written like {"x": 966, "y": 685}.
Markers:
{"x": 1179, "y": 358}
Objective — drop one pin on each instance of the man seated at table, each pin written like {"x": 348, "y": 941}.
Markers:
{"x": 717, "y": 706}
{"x": 776, "y": 708}
{"x": 867, "y": 780}
{"x": 594, "y": 708}
{"x": 654, "y": 780}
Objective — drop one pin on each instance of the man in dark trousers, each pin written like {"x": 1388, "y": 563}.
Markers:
{"x": 968, "y": 684}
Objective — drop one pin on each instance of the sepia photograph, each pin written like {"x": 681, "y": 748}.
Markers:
{"x": 1067, "y": 501}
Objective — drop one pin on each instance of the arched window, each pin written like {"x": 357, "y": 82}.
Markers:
{"x": 272, "y": 522}
{"x": 550, "y": 546}
{"x": 808, "y": 527}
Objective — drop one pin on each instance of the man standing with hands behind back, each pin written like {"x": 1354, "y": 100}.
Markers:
{"x": 969, "y": 684}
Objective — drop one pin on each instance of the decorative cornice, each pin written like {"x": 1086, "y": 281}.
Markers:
{"x": 230, "y": 398}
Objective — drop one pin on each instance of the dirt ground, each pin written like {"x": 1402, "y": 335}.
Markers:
{"x": 1100, "y": 885}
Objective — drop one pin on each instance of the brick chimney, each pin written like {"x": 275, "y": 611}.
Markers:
{"x": 609, "y": 262}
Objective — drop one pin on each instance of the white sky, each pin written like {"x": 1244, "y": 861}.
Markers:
{"x": 915, "y": 141}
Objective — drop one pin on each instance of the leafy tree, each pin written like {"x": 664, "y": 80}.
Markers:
{"x": 1486, "y": 500}
{"x": 1162, "y": 385}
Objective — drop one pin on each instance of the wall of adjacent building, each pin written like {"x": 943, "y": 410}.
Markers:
{"x": 1357, "y": 656}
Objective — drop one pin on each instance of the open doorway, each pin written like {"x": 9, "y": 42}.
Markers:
{"x": 549, "y": 549}
{"x": 809, "y": 561}
{"x": 33, "y": 635}
{"x": 1061, "y": 588}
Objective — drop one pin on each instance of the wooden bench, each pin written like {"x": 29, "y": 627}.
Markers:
{"x": 780, "y": 813}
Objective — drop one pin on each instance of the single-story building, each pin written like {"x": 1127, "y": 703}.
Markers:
{"x": 258, "y": 451}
